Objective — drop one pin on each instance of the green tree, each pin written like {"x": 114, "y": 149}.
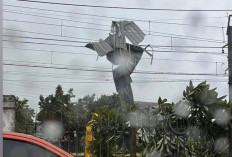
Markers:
{"x": 61, "y": 107}
{"x": 110, "y": 101}
{"x": 24, "y": 117}
{"x": 89, "y": 104}
{"x": 85, "y": 107}
{"x": 200, "y": 103}
{"x": 58, "y": 107}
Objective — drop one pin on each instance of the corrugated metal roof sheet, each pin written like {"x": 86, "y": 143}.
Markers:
{"x": 133, "y": 32}
{"x": 102, "y": 47}
{"x": 117, "y": 38}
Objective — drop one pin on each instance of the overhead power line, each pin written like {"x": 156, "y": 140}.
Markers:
{"x": 50, "y": 51}
{"x": 167, "y": 50}
{"x": 50, "y": 39}
{"x": 157, "y": 46}
{"x": 128, "y": 8}
{"x": 58, "y": 17}
{"x": 48, "y": 34}
{"x": 88, "y": 39}
{"x": 178, "y": 36}
{"x": 64, "y": 77}
{"x": 58, "y": 25}
{"x": 104, "y": 16}
{"x": 186, "y": 46}
{"x": 106, "y": 30}
{"x": 109, "y": 78}
{"x": 42, "y": 43}
{"x": 75, "y": 41}
{"x": 55, "y": 18}
{"x": 51, "y": 73}
{"x": 152, "y": 33}
{"x": 88, "y": 76}
{"x": 161, "y": 51}
{"x": 157, "y": 59}
{"x": 85, "y": 77}
{"x": 89, "y": 82}
{"x": 148, "y": 31}
{"x": 108, "y": 71}
{"x": 79, "y": 53}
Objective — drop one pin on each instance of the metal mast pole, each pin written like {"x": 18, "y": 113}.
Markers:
{"x": 229, "y": 34}
{"x": 1, "y": 80}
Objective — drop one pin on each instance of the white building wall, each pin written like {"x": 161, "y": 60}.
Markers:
{"x": 9, "y": 120}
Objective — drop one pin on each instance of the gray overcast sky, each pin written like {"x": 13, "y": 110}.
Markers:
{"x": 31, "y": 82}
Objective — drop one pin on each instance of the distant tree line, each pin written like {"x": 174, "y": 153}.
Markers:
{"x": 60, "y": 106}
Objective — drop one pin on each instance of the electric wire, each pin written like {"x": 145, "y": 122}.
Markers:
{"x": 76, "y": 41}
{"x": 42, "y": 43}
{"x": 40, "y": 38}
{"x": 109, "y": 71}
{"x": 96, "y": 78}
{"x": 48, "y": 34}
{"x": 161, "y": 51}
{"x": 111, "y": 82}
{"x": 127, "y": 8}
{"x": 63, "y": 36}
{"x": 104, "y": 16}
{"x": 152, "y": 21}
{"x": 149, "y": 32}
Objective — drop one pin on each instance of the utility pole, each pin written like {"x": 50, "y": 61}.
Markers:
{"x": 1, "y": 74}
{"x": 229, "y": 34}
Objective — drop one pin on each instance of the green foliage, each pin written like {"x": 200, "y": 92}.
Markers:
{"x": 111, "y": 101}
{"x": 24, "y": 117}
{"x": 89, "y": 104}
{"x": 164, "y": 107}
{"x": 58, "y": 107}
{"x": 85, "y": 106}
{"x": 203, "y": 102}
{"x": 109, "y": 130}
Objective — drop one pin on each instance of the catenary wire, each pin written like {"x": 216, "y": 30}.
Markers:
{"x": 93, "y": 82}
{"x": 128, "y": 8}
{"x": 48, "y": 34}
{"x": 109, "y": 71}
{"x": 152, "y": 21}
{"x": 149, "y": 32}
{"x": 64, "y": 36}
{"x": 104, "y": 16}
{"x": 76, "y": 41}
{"x": 96, "y": 78}
{"x": 161, "y": 51}
{"x": 157, "y": 59}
